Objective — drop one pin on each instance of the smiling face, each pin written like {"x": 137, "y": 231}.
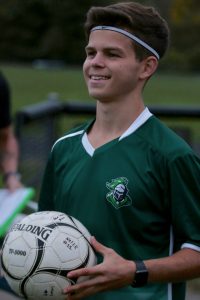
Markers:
{"x": 111, "y": 70}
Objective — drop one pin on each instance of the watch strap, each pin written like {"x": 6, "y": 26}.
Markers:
{"x": 9, "y": 174}
{"x": 141, "y": 274}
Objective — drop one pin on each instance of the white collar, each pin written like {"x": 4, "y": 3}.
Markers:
{"x": 141, "y": 119}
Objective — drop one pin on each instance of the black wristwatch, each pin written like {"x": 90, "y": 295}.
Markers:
{"x": 9, "y": 174}
{"x": 141, "y": 274}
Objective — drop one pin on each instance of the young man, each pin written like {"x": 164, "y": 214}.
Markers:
{"x": 132, "y": 181}
{"x": 8, "y": 142}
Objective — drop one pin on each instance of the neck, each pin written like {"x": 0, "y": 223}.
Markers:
{"x": 116, "y": 115}
{"x": 113, "y": 119}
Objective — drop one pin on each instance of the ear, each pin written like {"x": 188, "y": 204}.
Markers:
{"x": 149, "y": 66}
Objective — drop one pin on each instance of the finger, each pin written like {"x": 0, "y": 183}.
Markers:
{"x": 88, "y": 271}
{"x": 98, "y": 246}
{"x": 84, "y": 293}
{"x": 84, "y": 289}
{"x": 89, "y": 282}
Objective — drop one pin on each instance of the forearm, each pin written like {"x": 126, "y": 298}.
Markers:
{"x": 9, "y": 159}
{"x": 181, "y": 266}
{"x": 116, "y": 272}
{"x": 8, "y": 151}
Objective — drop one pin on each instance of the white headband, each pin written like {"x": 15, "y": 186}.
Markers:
{"x": 128, "y": 34}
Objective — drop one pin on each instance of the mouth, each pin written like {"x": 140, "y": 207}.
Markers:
{"x": 98, "y": 77}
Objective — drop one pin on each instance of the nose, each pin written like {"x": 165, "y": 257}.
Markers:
{"x": 98, "y": 60}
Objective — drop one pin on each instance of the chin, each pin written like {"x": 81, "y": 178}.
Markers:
{"x": 98, "y": 95}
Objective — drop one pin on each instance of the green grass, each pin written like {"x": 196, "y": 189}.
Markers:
{"x": 173, "y": 89}
{"x": 31, "y": 85}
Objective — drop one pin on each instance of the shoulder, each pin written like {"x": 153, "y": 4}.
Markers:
{"x": 163, "y": 140}
{"x": 71, "y": 136}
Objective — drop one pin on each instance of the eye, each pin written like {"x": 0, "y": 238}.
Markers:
{"x": 90, "y": 53}
{"x": 113, "y": 54}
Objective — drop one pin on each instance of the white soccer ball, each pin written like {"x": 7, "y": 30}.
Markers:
{"x": 40, "y": 250}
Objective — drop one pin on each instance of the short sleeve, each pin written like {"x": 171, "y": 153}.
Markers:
{"x": 184, "y": 189}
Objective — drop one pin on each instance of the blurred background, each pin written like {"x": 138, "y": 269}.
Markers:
{"x": 41, "y": 54}
{"x": 48, "y": 35}
{"x": 52, "y": 29}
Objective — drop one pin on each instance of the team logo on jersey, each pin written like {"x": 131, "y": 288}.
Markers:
{"x": 118, "y": 194}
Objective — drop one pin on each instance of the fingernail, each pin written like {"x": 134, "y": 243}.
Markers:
{"x": 64, "y": 292}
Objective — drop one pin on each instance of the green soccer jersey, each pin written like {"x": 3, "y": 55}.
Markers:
{"x": 138, "y": 194}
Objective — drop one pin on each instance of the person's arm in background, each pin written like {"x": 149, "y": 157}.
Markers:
{"x": 9, "y": 152}
{"x": 9, "y": 158}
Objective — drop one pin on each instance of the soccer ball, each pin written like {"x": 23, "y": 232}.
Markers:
{"x": 40, "y": 250}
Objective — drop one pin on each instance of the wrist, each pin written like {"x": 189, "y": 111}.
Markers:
{"x": 10, "y": 174}
{"x": 141, "y": 274}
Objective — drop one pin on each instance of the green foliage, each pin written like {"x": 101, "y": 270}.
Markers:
{"x": 185, "y": 24}
{"x": 24, "y": 24}
{"x": 53, "y": 29}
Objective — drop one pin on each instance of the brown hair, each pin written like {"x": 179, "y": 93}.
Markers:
{"x": 143, "y": 21}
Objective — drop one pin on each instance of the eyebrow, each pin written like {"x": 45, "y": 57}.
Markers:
{"x": 118, "y": 49}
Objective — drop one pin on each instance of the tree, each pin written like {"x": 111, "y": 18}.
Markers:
{"x": 185, "y": 20}
{"x": 50, "y": 29}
